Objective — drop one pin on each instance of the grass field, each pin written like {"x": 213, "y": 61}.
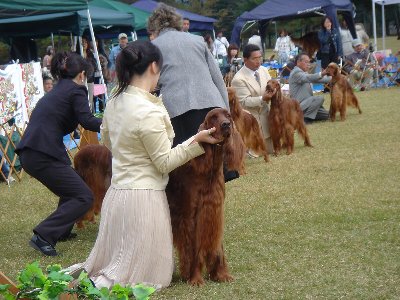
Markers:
{"x": 323, "y": 223}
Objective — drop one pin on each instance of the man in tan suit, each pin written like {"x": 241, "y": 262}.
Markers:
{"x": 249, "y": 83}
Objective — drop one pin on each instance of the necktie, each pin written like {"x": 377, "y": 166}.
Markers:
{"x": 257, "y": 77}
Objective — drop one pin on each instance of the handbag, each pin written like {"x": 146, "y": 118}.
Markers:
{"x": 99, "y": 89}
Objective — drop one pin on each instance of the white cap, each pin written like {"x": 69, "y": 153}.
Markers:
{"x": 122, "y": 36}
{"x": 356, "y": 42}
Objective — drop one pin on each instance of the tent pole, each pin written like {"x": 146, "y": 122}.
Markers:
{"x": 52, "y": 41}
{"x": 374, "y": 25}
{"x": 80, "y": 45}
{"x": 96, "y": 53}
{"x": 133, "y": 35}
{"x": 383, "y": 26}
{"x": 72, "y": 41}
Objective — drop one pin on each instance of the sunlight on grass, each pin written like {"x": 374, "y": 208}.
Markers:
{"x": 322, "y": 223}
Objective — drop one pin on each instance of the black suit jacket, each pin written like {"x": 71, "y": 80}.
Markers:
{"x": 55, "y": 115}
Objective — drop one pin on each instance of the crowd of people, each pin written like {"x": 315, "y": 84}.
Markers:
{"x": 150, "y": 135}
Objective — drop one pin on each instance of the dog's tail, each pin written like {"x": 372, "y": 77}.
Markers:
{"x": 301, "y": 127}
{"x": 352, "y": 99}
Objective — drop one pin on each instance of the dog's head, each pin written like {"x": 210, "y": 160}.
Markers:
{"x": 220, "y": 119}
{"x": 333, "y": 70}
{"x": 274, "y": 85}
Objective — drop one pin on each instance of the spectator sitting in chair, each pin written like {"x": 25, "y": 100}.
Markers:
{"x": 360, "y": 66}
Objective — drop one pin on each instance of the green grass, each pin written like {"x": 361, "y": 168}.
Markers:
{"x": 322, "y": 223}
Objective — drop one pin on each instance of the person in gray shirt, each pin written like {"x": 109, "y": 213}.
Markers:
{"x": 300, "y": 87}
{"x": 191, "y": 83}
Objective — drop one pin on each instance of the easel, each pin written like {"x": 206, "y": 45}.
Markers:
{"x": 10, "y": 145}
{"x": 87, "y": 137}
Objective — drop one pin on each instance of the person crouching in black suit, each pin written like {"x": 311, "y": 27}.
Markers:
{"x": 42, "y": 152}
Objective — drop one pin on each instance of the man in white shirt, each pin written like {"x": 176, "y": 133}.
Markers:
{"x": 250, "y": 83}
{"x": 256, "y": 40}
{"x": 221, "y": 45}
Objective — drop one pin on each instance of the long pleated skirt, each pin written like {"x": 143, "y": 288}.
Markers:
{"x": 134, "y": 243}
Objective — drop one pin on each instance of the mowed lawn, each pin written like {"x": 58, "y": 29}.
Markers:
{"x": 322, "y": 223}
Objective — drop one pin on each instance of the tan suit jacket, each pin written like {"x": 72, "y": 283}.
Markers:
{"x": 249, "y": 93}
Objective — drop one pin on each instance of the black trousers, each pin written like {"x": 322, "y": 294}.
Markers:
{"x": 327, "y": 58}
{"x": 187, "y": 124}
{"x": 75, "y": 196}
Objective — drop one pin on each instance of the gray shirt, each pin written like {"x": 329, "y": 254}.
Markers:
{"x": 300, "y": 83}
{"x": 190, "y": 77}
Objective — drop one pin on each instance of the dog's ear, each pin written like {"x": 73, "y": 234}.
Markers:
{"x": 202, "y": 126}
{"x": 234, "y": 150}
{"x": 278, "y": 93}
{"x": 201, "y": 164}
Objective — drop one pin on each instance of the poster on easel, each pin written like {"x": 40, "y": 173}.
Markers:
{"x": 21, "y": 87}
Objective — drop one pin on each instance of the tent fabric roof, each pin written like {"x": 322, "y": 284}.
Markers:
{"x": 278, "y": 9}
{"x": 141, "y": 16}
{"x": 75, "y": 22}
{"x": 273, "y": 9}
{"x": 386, "y": 2}
{"x": 197, "y": 22}
{"x": 17, "y": 8}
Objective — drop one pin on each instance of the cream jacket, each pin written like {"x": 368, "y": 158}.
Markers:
{"x": 250, "y": 92}
{"x": 138, "y": 131}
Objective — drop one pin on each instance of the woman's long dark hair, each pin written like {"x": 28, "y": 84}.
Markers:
{"x": 323, "y": 21}
{"x": 232, "y": 47}
{"x": 66, "y": 65}
{"x": 135, "y": 59}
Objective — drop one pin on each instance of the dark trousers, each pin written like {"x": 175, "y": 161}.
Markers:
{"x": 327, "y": 58}
{"x": 187, "y": 124}
{"x": 75, "y": 196}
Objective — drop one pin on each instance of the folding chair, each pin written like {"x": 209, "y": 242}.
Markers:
{"x": 391, "y": 70}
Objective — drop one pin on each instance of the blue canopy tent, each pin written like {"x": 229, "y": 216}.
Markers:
{"x": 272, "y": 10}
{"x": 197, "y": 22}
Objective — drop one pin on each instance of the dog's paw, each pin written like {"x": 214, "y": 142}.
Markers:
{"x": 196, "y": 281}
{"x": 221, "y": 277}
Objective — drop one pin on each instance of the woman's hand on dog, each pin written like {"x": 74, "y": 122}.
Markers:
{"x": 205, "y": 136}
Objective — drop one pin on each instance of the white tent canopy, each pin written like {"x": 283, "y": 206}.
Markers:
{"x": 382, "y": 3}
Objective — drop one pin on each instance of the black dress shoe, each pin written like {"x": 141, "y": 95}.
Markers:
{"x": 308, "y": 121}
{"x": 68, "y": 237}
{"x": 231, "y": 175}
{"x": 41, "y": 245}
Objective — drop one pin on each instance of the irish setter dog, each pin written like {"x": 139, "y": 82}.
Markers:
{"x": 196, "y": 193}
{"x": 247, "y": 126}
{"x": 341, "y": 93}
{"x": 93, "y": 164}
{"x": 285, "y": 116}
{"x": 309, "y": 43}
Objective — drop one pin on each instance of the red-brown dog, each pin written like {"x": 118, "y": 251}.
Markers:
{"x": 285, "y": 116}
{"x": 93, "y": 164}
{"x": 341, "y": 93}
{"x": 247, "y": 126}
{"x": 196, "y": 194}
